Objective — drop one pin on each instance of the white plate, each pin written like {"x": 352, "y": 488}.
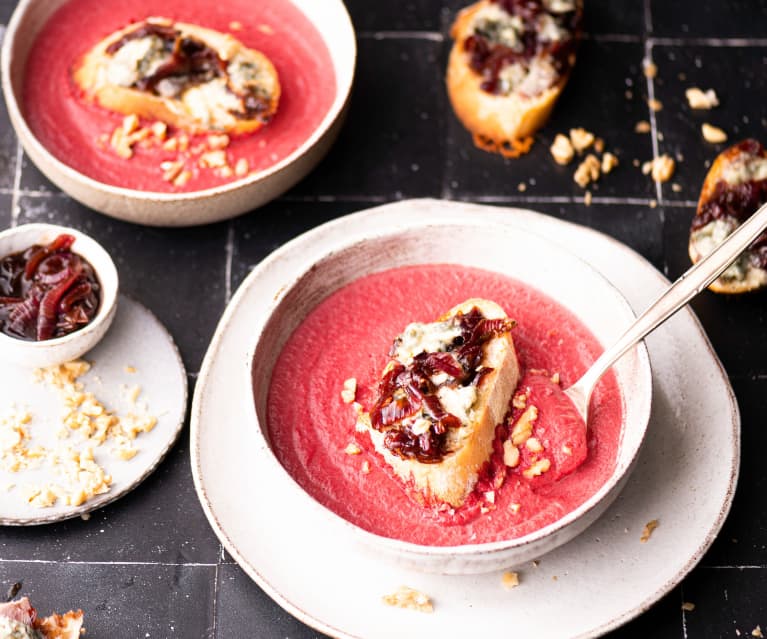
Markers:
{"x": 314, "y": 570}
{"x": 137, "y": 339}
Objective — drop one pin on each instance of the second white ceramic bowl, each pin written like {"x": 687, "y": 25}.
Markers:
{"x": 61, "y": 349}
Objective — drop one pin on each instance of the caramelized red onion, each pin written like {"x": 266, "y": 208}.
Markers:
{"x": 405, "y": 391}
{"x": 47, "y": 291}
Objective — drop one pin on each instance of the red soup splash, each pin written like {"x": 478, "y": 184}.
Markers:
{"x": 73, "y": 130}
{"x": 349, "y": 335}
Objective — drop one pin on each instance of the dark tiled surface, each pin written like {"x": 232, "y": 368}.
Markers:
{"x": 402, "y": 140}
{"x": 731, "y": 19}
{"x": 586, "y": 101}
{"x": 736, "y": 74}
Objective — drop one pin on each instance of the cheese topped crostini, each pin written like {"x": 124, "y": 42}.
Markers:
{"x": 734, "y": 188}
{"x": 187, "y": 76}
{"x": 442, "y": 393}
{"x": 508, "y": 65}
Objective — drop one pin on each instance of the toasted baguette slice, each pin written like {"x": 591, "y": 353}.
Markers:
{"x": 735, "y": 186}
{"x": 451, "y": 477}
{"x": 19, "y": 616}
{"x": 516, "y": 112}
{"x": 187, "y": 76}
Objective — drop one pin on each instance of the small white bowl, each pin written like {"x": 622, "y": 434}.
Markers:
{"x": 325, "y": 259}
{"x": 61, "y": 349}
{"x": 205, "y": 206}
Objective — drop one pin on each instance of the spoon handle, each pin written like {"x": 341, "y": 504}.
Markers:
{"x": 698, "y": 277}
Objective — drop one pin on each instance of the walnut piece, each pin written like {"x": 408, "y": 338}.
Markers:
{"x": 581, "y": 139}
{"x": 410, "y": 599}
{"x": 661, "y": 168}
{"x": 713, "y": 134}
{"x": 510, "y": 580}
{"x": 562, "y": 150}
{"x": 698, "y": 99}
{"x": 648, "y": 529}
{"x": 588, "y": 171}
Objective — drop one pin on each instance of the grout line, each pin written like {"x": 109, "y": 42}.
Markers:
{"x": 684, "y": 612}
{"x": 647, "y": 17}
{"x": 335, "y": 198}
{"x": 613, "y": 37}
{"x": 215, "y": 600}
{"x": 228, "y": 264}
{"x": 434, "y": 36}
{"x": 15, "y": 195}
{"x": 109, "y": 563}
{"x": 554, "y": 199}
{"x": 710, "y": 42}
{"x": 653, "y": 120}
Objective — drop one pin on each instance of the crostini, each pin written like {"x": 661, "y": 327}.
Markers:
{"x": 509, "y": 63}
{"x": 187, "y": 76}
{"x": 734, "y": 188}
{"x": 19, "y": 620}
{"x": 444, "y": 390}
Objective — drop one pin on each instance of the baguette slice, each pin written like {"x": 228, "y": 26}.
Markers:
{"x": 468, "y": 444}
{"x": 187, "y": 76}
{"x": 18, "y": 616}
{"x": 734, "y": 188}
{"x": 514, "y": 115}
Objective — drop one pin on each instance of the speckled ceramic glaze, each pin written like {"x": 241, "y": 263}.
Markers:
{"x": 61, "y": 349}
{"x": 692, "y": 441}
{"x": 199, "y": 207}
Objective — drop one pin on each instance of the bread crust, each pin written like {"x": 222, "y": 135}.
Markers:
{"x": 500, "y": 118}
{"x": 755, "y": 278}
{"x": 90, "y": 74}
{"x": 451, "y": 480}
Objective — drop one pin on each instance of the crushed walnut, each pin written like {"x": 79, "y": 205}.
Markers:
{"x": 349, "y": 391}
{"x": 643, "y": 126}
{"x": 655, "y": 105}
{"x": 713, "y": 134}
{"x": 587, "y": 197}
{"x": 588, "y": 171}
{"x": 648, "y": 530}
{"x": 650, "y": 69}
{"x": 688, "y": 606}
{"x": 510, "y": 580}
{"x": 510, "y": 454}
{"x": 537, "y": 468}
{"x": 698, "y": 99}
{"x": 410, "y": 599}
{"x": 562, "y": 150}
{"x": 609, "y": 162}
{"x": 523, "y": 429}
{"x": 352, "y": 449}
{"x": 757, "y": 632}
{"x": 661, "y": 168}
{"x": 581, "y": 139}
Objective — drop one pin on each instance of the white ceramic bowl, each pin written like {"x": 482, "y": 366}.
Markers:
{"x": 331, "y": 20}
{"x": 344, "y": 251}
{"x": 61, "y": 349}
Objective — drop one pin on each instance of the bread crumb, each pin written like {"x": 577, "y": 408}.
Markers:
{"x": 655, "y": 105}
{"x": 562, "y": 150}
{"x": 581, "y": 139}
{"x": 349, "y": 391}
{"x": 587, "y": 171}
{"x": 352, "y": 449}
{"x": 609, "y": 162}
{"x": 688, "y": 606}
{"x": 698, "y": 99}
{"x": 650, "y": 69}
{"x": 648, "y": 530}
{"x": 713, "y": 134}
{"x": 510, "y": 580}
{"x": 410, "y": 599}
{"x": 757, "y": 632}
{"x": 661, "y": 168}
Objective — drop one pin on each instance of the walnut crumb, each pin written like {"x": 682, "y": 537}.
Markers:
{"x": 609, "y": 162}
{"x": 366, "y": 467}
{"x": 676, "y": 188}
{"x": 217, "y": 142}
{"x": 410, "y": 599}
{"x": 581, "y": 139}
{"x": 213, "y": 159}
{"x": 698, "y": 99}
{"x": 519, "y": 400}
{"x": 567, "y": 450}
{"x": 534, "y": 445}
{"x": 352, "y": 449}
{"x": 587, "y": 197}
{"x": 643, "y": 126}
{"x": 688, "y": 606}
{"x": 241, "y": 168}
{"x": 521, "y": 187}
{"x": 349, "y": 391}
{"x": 510, "y": 580}
{"x": 171, "y": 169}
{"x": 599, "y": 145}
{"x": 555, "y": 379}
{"x": 562, "y": 149}
{"x": 655, "y": 105}
{"x": 713, "y": 134}
{"x": 648, "y": 530}
{"x": 510, "y": 454}
{"x": 523, "y": 429}
{"x": 650, "y": 69}
{"x": 265, "y": 28}
{"x": 757, "y": 632}
{"x": 537, "y": 468}
{"x": 235, "y": 25}
{"x": 182, "y": 178}
{"x": 661, "y": 168}
{"x": 588, "y": 171}
{"x": 515, "y": 507}
{"x": 130, "y": 370}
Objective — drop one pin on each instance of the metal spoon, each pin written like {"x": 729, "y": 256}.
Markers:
{"x": 671, "y": 300}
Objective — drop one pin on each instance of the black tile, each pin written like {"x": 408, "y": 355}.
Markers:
{"x": 6, "y": 202}
{"x": 8, "y": 148}
{"x": 737, "y": 74}
{"x": 728, "y": 602}
{"x": 712, "y": 19}
{"x": 131, "y": 600}
{"x": 593, "y": 100}
{"x": 179, "y": 274}
{"x": 743, "y": 537}
{"x": 662, "y": 621}
{"x": 244, "y": 610}
{"x": 416, "y": 15}
{"x": 6, "y": 9}
{"x": 159, "y": 521}
{"x": 392, "y": 143}
{"x": 255, "y": 236}
{"x": 735, "y": 324}
{"x": 32, "y": 178}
